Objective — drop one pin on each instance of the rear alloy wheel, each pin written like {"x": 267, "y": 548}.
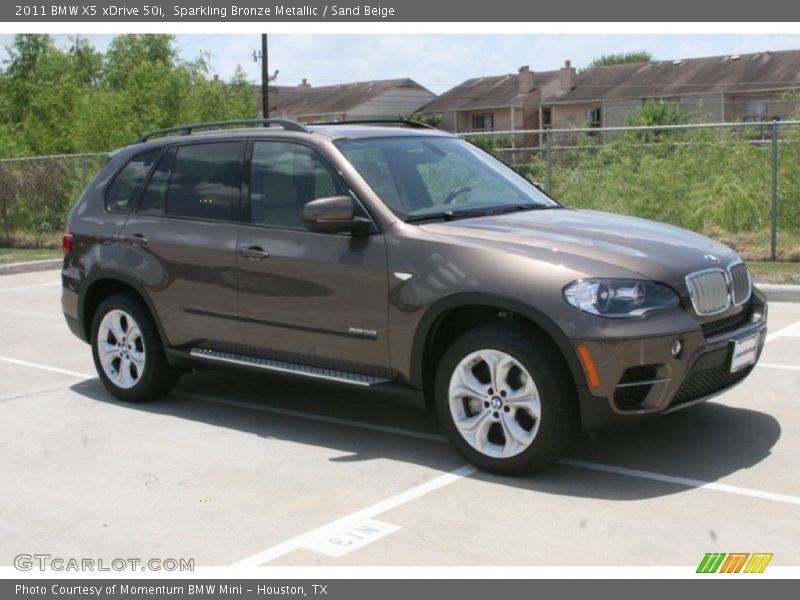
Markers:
{"x": 127, "y": 351}
{"x": 121, "y": 349}
{"x": 506, "y": 404}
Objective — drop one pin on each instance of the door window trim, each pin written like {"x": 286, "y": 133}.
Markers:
{"x": 245, "y": 214}
{"x": 236, "y": 205}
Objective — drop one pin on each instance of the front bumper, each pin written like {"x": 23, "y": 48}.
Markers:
{"x": 639, "y": 377}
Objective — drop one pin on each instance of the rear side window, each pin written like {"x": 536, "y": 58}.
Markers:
{"x": 205, "y": 181}
{"x": 122, "y": 192}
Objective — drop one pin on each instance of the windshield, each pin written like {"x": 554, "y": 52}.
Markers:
{"x": 419, "y": 176}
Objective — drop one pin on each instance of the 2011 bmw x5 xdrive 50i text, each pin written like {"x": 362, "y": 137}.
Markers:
{"x": 370, "y": 255}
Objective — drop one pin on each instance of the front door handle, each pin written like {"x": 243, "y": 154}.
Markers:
{"x": 253, "y": 253}
{"x": 136, "y": 238}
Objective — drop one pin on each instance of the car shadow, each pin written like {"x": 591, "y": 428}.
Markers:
{"x": 707, "y": 442}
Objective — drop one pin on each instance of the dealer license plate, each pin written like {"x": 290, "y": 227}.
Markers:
{"x": 744, "y": 353}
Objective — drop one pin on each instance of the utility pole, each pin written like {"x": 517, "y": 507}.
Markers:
{"x": 264, "y": 77}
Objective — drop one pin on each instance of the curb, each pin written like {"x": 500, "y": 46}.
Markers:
{"x": 780, "y": 293}
{"x": 31, "y": 266}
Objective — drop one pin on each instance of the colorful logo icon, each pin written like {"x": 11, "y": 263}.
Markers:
{"x": 734, "y": 562}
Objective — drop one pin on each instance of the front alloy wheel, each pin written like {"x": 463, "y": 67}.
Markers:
{"x": 506, "y": 399}
{"x": 494, "y": 403}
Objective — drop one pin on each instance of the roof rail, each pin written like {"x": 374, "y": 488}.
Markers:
{"x": 187, "y": 129}
{"x": 408, "y": 123}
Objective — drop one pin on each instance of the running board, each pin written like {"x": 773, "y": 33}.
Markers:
{"x": 278, "y": 366}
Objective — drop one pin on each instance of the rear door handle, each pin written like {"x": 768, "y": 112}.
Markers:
{"x": 136, "y": 238}
{"x": 254, "y": 253}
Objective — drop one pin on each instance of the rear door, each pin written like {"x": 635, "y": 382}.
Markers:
{"x": 181, "y": 241}
{"x": 311, "y": 298}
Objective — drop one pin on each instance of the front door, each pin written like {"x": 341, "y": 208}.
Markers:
{"x": 309, "y": 298}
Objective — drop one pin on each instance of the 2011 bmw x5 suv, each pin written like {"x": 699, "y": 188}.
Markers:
{"x": 370, "y": 255}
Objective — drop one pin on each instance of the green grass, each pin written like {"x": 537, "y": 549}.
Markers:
{"x": 15, "y": 255}
{"x": 775, "y": 272}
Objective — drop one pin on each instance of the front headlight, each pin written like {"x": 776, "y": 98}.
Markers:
{"x": 619, "y": 298}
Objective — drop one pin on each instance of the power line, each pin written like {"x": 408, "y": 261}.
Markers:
{"x": 203, "y": 39}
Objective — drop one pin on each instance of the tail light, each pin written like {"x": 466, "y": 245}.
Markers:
{"x": 66, "y": 241}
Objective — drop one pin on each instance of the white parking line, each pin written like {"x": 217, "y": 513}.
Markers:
{"x": 29, "y": 287}
{"x": 593, "y": 466}
{"x": 792, "y": 330}
{"x": 773, "y": 366}
{"x": 684, "y": 481}
{"x": 25, "y": 363}
{"x": 31, "y": 313}
{"x": 364, "y": 514}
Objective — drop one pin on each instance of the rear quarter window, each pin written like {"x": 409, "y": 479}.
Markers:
{"x": 124, "y": 189}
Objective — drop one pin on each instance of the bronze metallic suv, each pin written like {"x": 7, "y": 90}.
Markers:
{"x": 370, "y": 255}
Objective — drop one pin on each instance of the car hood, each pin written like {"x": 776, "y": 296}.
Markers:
{"x": 654, "y": 250}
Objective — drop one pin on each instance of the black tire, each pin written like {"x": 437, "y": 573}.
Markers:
{"x": 158, "y": 377}
{"x": 557, "y": 424}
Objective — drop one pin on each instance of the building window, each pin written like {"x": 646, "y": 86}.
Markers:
{"x": 755, "y": 111}
{"x": 547, "y": 118}
{"x": 483, "y": 121}
{"x": 594, "y": 117}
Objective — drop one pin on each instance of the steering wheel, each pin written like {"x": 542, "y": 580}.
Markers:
{"x": 456, "y": 193}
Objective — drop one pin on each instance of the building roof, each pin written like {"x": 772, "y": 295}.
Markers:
{"x": 658, "y": 79}
{"x": 487, "y": 92}
{"x": 332, "y": 99}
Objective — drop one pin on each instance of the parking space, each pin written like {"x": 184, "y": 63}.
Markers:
{"x": 233, "y": 469}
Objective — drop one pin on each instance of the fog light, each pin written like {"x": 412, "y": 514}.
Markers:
{"x": 677, "y": 346}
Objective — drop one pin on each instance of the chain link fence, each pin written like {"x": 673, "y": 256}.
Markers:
{"x": 739, "y": 183}
{"x": 37, "y": 193}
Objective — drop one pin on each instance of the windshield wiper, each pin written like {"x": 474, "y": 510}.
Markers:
{"x": 446, "y": 215}
{"x": 518, "y": 207}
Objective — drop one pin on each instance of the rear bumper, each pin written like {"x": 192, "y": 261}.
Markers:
{"x": 639, "y": 378}
{"x": 70, "y": 302}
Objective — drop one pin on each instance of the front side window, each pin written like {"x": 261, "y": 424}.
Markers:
{"x": 205, "y": 181}
{"x": 418, "y": 176}
{"x": 125, "y": 188}
{"x": 284, "y": 177}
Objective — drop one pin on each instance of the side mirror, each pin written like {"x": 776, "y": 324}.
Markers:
{"x": 336, "y": 214}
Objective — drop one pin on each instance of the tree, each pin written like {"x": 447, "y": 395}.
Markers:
{"x": 86, "y": 61}
{"x": 55, "y": 101}
{"x": 434, "y": 120}
{"x": 619, "y": 58}
{"x": 128, "y": 51}
{"x": 25, "y": 53}
{"x": 22, "y": 72}
{"x": 657, "y": 112}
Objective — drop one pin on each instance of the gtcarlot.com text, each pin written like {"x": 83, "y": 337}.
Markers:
{"x": 43, "y": 562}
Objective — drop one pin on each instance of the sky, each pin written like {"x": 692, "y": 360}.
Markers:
{"x": 438, "y": 61}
